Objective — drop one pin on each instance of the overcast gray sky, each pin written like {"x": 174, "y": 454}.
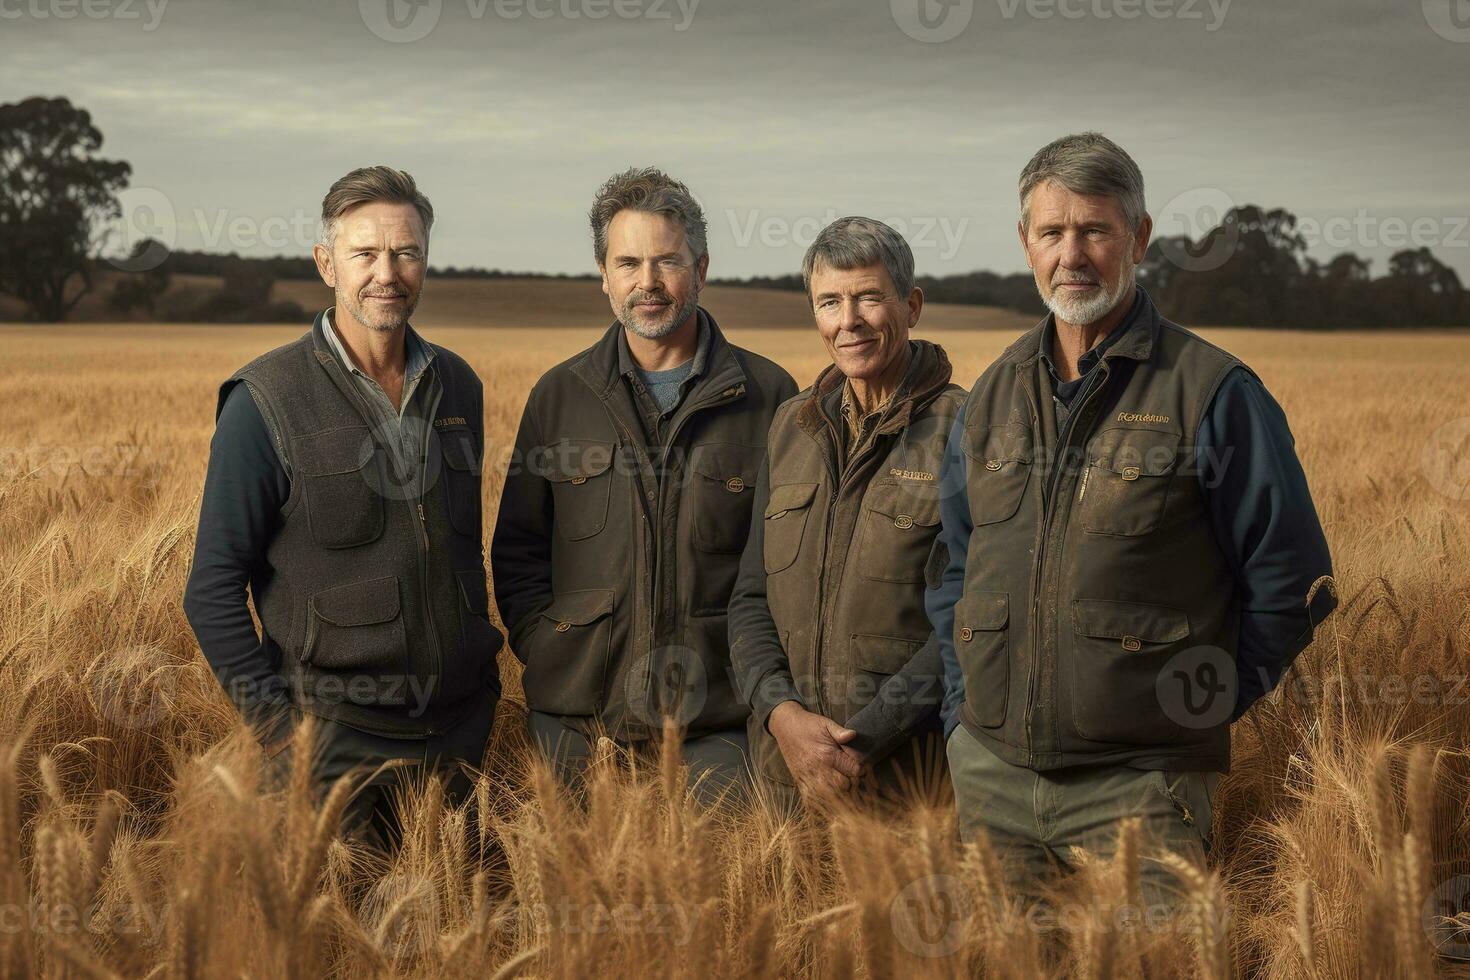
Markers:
{"x": 236, "y": 117}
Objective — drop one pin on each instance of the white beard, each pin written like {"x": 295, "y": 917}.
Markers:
{"x": 1080, "y": 311}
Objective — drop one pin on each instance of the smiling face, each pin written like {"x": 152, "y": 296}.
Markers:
{"x": 863, "y": 321}
{"x": 650, "y": 276}
{"x": 376, "y": 263}
{"x": 1082, "y": 252}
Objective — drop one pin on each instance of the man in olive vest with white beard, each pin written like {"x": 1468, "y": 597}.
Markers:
{"x": 1129, "y": 555}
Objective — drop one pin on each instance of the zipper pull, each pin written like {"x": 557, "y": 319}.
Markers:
{"x": 1082, "y": 492}
{"x": 422, "y": 519}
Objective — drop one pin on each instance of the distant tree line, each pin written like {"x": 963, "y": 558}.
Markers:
{"x": 57, "y": 197}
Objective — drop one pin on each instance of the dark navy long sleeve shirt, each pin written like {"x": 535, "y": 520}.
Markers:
{"x": 1261, "y": 511}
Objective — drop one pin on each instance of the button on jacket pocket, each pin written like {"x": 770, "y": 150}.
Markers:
{"x": 785, "y": 518}
{"x": 982, "y": 648}
{"x": 580, "y": 471}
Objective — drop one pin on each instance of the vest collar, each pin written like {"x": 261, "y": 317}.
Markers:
{"x": 928, "y": 374}
{"x": 1136, "y": 344}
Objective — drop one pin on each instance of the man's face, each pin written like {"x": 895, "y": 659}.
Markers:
{"x": 650, "y": 277}
{"x": 1081, "y": 251}
{"x": 377, "y": 263}
{"x": 862, "y": 319}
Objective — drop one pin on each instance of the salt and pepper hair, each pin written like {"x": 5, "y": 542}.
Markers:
{"x": 650, "y": 190}
{"x": 854, "y": 242}
{"x": 1086, "y": 163}
{"x": 368, "y": 185}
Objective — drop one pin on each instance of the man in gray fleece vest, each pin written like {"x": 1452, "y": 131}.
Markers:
{"x": 344, "y": 491}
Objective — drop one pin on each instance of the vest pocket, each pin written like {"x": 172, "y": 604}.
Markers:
{"x": 1119, "y": 648}
{"x": 785, "y": 522}
{"x": 581, "y": 481}
{"x": 720, "y": 500}
{"x": 898, "y": 532}
{"x": 1126, "y": 484}
{"x": 981, "y": 644}
{"x": 564, "y": 671}
{"x": 344, "y": 501}
{"x": 999, "y": 467}
{"x": 356, "y": 632}
{"x": 462, "y": 480}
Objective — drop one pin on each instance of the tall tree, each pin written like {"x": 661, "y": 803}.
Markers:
{"x": 56, "y": 196}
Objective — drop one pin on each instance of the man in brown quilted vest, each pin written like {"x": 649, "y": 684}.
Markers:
{"x": 828, "y": 635}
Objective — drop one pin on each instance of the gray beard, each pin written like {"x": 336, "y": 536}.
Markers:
{"x": 1080, "y": 313}
{"x": 380, "y": 323}
{"x": 657, "y": 331}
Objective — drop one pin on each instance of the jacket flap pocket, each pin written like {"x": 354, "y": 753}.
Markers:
{"x": 729, "y": 465}
{"x": 579, "y": 608}
{"x": 1009, "y": 442}
{"x": 904, "y": 508}
{"x": 574, "y": 460}
{"x": 358, "y": 603}
{"x": 1113, "y": 620}
{"x": 789, "y": 496}
{"x": 882, "y": 654}
{"x": 476, "y": 594}
{"x": 345, "y": 450}
{"x": 459, "y": 449}
{"x": 1135, "y": 452}
{"x": 983, "y": 611}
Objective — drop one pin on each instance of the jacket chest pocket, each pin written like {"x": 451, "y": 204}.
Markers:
{"x": 339, "y": 470}
{"x": 999, "y": 468}
{"x": 356, "y": 631}
{"x": 722, "y": 486}
{"x": 462, "y": 466}
{"x": 898, "y": 531}
{"x": 580, "y": 472}
{"x": 981, "y": 645}
{"x": 1125, "y": 487}
{"x": 785, "y": 524}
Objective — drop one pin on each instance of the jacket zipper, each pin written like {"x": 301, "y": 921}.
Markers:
{"x": 1048, "y": 503}
{"x": 436, "y": 654}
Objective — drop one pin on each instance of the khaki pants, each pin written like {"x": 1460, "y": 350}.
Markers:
{"x": 1033, "y": 819}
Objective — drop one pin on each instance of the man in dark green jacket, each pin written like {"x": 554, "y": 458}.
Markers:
{"x": 831, "y": 645}
{"x": 1129, "y": 556}
{"x": 344, "y": 493}
{"x": 628, "y": 499}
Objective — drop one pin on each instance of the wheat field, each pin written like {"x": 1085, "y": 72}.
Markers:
{"x": 137, "y": 842}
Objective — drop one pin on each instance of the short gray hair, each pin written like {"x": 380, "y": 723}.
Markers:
{"x": 1086, "y": 163}
{"x": 650, "y": 190}
{"x": 366, "y": 185}
{"x": 855, "y": 241}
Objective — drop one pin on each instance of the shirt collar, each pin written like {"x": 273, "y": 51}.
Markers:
{"x": 417, "y": 354}
{"x": 1089, "y": 360}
